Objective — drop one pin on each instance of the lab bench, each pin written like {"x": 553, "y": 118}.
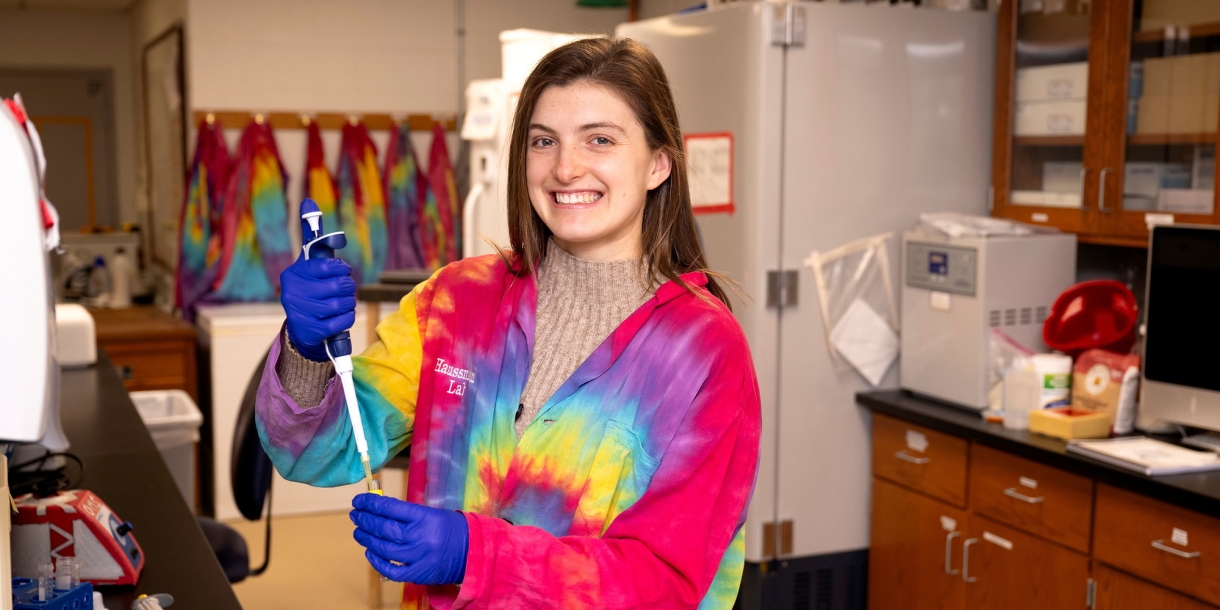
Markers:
{"x": 124, "y": 468}
{"x": 969, "y": 514}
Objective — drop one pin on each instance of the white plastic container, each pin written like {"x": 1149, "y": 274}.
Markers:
{"x": 173, "y": 421}
{"x": 1021, "y": 395}
{"x": 1054, "y": 373}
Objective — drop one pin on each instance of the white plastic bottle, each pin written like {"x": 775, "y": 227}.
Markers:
{"x": 122, "y": 275}
{"x": 1054, "y": 378}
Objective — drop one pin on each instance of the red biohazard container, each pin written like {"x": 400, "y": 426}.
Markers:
{"x": 1098, "y": 314}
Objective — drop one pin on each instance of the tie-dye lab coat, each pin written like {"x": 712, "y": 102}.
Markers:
{"x": 628, "y": 490}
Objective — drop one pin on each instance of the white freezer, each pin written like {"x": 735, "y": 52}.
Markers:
{"x": 879, "y": 114}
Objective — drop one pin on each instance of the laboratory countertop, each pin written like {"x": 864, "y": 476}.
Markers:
{"x": 124, "y": 468}
{"x": 1195, "y": 491}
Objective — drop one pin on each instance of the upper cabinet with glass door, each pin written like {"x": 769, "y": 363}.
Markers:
{"x": 1049, "y": 78}
{"x": 1163, "y": 122}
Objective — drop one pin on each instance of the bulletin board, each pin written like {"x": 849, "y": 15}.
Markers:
{"x": 165, "y": 142}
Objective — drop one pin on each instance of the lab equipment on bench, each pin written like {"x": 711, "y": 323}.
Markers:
{"x": 955, "y": 290}
{"x": 1179, "y": 384}
{"x": 827, "y": 146}
{"x": 1098, "y": 314}
{"x": 338, "y": 347}
{"x": 76, "y": 524}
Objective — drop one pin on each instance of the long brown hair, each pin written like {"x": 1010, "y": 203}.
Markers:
{"x": 670, "y": 244}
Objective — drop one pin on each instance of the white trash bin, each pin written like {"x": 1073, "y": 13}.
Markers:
{"x": 173, "y": 420}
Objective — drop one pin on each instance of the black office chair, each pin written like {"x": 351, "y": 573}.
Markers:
{"x": 250, "y": 478}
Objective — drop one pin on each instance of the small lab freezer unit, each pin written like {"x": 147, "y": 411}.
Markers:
{"x": 955, "y": 291}
{"x": 841, "y": 121}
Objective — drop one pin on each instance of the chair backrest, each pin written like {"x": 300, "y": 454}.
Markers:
{"x": 250, "y": 468}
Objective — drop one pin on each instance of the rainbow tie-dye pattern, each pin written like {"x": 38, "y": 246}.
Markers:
{"x": 257, "y": 247}
{"x": 441, "y": 214}
{"x": 199, "y": 227}
{"x": 403, "y": 186}
{"x": 628, "y": 490}
{"x": 361, "y": 204}
{"x": 319, "y": 184}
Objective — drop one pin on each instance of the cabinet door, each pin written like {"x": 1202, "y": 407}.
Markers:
{"x": 1162, "y": 106}
{"x": 1004, "y": 568}
{"x": 915, "y": 551}
{"x": 1117, "y": 591}
{"x": 1050, "y": 75}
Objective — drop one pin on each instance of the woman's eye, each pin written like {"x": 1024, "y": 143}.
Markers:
{"x": 602, "y": 141}
{"x": 543, "y": 142}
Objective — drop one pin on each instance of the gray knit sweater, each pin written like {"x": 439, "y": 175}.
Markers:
{"x": 580, "y": 303}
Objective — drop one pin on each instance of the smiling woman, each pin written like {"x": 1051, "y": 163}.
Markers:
{"x": 585, "y": 401}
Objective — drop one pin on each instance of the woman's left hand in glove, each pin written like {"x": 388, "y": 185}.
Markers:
{"x": 411, "y": 543}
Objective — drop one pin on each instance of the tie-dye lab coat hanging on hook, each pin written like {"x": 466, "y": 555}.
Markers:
{"x": 200, "y": 226}
{"x": 442, "y": 213}
{"x": 361, "y": 204}
{"x": 257, "y": 246}
{"x": 319, "y": 184}
{"x": 404, "y": 190}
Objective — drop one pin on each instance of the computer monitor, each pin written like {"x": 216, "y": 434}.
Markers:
{"x": 1181, "y": 377}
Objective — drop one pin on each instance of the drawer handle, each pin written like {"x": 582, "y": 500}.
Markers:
{"x": 906, "y": 457}
{"x": 949, "y": 553}
{"x": 966, "y": 560}
{"x": 1013, "y": 493}
{"x": 1160, "y": 544}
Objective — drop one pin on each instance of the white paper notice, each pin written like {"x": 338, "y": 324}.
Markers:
{"x": 865, "y": 340}
{"x": 709, "y": 162}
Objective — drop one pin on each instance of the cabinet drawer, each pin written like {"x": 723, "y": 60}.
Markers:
{"x": 148, "y": 364}
{"x": 1038, "y": 499}
{"x": 919, "y": 458}
{"x": 1117, "y": 591}
{"x": 1173, "y": 546}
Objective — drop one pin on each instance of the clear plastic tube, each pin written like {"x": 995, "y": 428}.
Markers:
{"x": 63, "y": 573}
{"x": 46, "y": 581}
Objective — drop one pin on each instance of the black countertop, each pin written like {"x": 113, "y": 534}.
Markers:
{"x": 125, "y": 470}
{"x": 1196, "y": 491}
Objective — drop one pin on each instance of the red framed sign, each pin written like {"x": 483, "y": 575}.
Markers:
{"x": 709, "y": 164}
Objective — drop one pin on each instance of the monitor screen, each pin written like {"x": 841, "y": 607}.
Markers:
{"x": 1183, "y": 309}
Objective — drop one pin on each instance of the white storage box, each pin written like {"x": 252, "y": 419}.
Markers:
{"x": 173, "y": 421}
{"x": 1185, "y": 201}
{"x": 1061, "y": 176}
{"x": 1051, "y": 118}
{"x": 1057, "y": 82}
{"x": 1046, "y": 199}
{"x": 75, "y": 336}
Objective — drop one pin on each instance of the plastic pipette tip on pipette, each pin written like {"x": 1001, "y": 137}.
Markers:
{"x": 374, "y": 484}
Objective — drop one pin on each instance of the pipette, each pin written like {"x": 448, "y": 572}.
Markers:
{"x": 338, "y": 347}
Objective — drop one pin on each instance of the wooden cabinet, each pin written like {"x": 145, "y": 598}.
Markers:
{"x": 915, "y": 551}
{"x": 151, "y": 349}
{"x": 1118, "y": 591}
{"x": 1106, "y": 115}
{"x": 919, "y": 458}
{"x": 1004, "y": 568}
{"x": 1044, "y": 501}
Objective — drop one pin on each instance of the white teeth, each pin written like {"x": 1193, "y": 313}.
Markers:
{"x": 573, "y": 198}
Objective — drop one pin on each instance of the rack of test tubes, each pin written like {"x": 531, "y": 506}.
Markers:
{"x": 58, "y": 587}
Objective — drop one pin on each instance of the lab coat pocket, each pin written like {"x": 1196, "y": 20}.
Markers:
{"x": 619, "y": 475}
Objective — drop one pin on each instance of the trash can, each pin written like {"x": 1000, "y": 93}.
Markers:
{"x": 173, "y": 420}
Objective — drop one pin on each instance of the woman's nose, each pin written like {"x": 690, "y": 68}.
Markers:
{"x": 570, "y": 165}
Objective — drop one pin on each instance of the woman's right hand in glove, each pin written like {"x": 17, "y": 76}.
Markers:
{"x": 319, "y": 296}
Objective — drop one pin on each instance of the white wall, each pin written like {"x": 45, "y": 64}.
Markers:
{"x": 149, "y": 19}
{"x": 38, "y": 39}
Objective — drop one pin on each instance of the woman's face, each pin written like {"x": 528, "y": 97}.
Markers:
{"x": 589, "y": 171}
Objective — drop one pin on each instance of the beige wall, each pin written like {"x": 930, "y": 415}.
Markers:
{"x": 30, "y": 39}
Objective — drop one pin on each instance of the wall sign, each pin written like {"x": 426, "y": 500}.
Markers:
{"x": 709, "y": 162}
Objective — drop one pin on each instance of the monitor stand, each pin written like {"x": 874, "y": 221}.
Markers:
{"x": 1207, "y": 440}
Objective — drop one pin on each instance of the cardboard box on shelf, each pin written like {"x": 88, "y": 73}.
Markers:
{"x": 1046, "y": 199}
{"x": 1196, "y": 113}
{"x": 1056, "y": 82}
{"x": 1061, "y": 176}
{"x": 1186, "y": 201}
{"x": 1146, "y": 179}
{"x": 1159, "y": 13}
{"x": 1056, "y": 118}
{"x": 1181, "y": 75}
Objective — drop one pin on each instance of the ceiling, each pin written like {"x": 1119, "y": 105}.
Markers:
{"x": 83, "y": 6}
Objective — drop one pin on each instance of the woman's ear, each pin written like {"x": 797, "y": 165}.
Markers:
{"x": 662, "y": 163}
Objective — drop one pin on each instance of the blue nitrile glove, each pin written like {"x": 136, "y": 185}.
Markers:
{"x": 319, "y": 296}
{"x": 430, "y": 543}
